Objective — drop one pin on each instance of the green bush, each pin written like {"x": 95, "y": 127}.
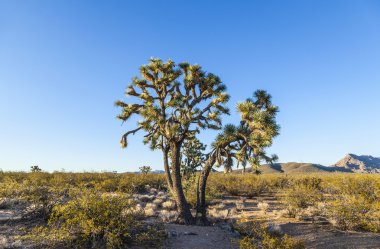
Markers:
{"x": 93, "y": 220}
{"x": 256, "y": 236}
{"x": 190, "y": 189}
{"x": 300, "y": 197}
{"x": 243, "y": 184}
{"x": 136, "y": 182}
{"x": 354, "y": 212}
{"x": 311, "y": 182}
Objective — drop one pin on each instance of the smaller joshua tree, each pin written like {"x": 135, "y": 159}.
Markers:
{"x": 145, "y": 169}
{"x": 192, "y": 156}
{"x": 245, "y": 143}
{"x": 35, "y": 168}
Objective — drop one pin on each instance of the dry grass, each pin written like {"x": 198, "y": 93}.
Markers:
{"x": 219, "y": 213}
{"x": 263, "y": 206}
{"x": 170, "y": 204}
{"x": 168, "y": 216}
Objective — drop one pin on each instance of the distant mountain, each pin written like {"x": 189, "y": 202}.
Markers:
{"x": 294, "y": 168}
{"x": 364, "y": 164}
{"x": 158, "y": 171}
{"x": 350, "y": 163}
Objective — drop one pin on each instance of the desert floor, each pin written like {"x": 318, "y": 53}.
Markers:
{"x": 315, "y": 231}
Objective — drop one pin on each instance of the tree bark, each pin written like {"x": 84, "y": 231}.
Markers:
{"x": 167, "y": 170}
{"x": 183, "y": 207}
{"x": 201, "y": 216}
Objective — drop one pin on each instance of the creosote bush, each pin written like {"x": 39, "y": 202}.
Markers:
{"x": 300, "y": 197}
{"x": 258, "y": 236}
{"x": 190, "y": 189}
{"x": 93, "y": 220}
{"x": 355, "y": 204}
{"x": 349, "y": 212}
{"x": 238, "y": 184}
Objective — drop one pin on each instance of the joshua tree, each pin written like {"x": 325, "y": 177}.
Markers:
{"x": 174, "y": 103}
{"x": 145, "y": 169}
{"x": 245, "y": 143}
{"x": 35, "y": 168}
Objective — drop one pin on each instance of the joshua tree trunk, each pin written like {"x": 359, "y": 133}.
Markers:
{"x": 167, "y": 169}
{"x": 182, "y": 205}
{"x": 201, "y": 217}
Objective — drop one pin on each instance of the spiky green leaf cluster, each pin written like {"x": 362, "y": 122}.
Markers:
{"x": 192, "y": 156}
{"x": 247, "y": 142}
{"x": 173, "y": 102}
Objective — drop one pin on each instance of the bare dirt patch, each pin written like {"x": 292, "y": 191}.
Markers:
{"x": 189, "y": 237}
{"x": 10, "y": 229}
{"x": 326, "y": 237}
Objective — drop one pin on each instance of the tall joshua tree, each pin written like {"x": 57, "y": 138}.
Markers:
{"x": 174, "y": 103}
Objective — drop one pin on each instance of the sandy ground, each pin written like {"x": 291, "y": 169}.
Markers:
{"x": 11, "y": 228}
{"x": 314, "y": 236}
{"x": 184, "y": 237}
{"x": 326, "y": 237}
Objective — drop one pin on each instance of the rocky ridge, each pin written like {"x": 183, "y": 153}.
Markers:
{"x": 363, "y": 164}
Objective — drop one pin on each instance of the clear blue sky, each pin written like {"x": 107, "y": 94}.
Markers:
{"x": 64, "y": 63}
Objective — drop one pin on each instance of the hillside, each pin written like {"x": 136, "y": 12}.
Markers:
{"x": 368, "y": 164}
{"x": 294, "y": 168}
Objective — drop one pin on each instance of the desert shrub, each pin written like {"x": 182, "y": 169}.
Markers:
{"x": 9, "y": 187}
{"x": 263, "y": 206}
{"x": 365, "y": 187}
{"x": 278, "y": 182}
{"x": 168, "y": 216}
{"x": 40, "y": 198}
{"x": 335, "y": 184}
{"x": 169, "y": 204}
{"x": 108, "y": 185}
{"x": 353, "y": 201}
{"x": 105, "y": 182}
{"x": 253, "y": 186}
{"x": 150, "y": 209}
{"x": 93, "y": 220}
{"x": 219, "y": 214}
{"x": 34, "y": 191}
{"x": 311, "y": 182}
{"x": 350, "y": 212}
{"x": 137, "y": 183}
{"x": 259, "y": 236}
{"x": 190, "y": 189}
{"x": 300, "y": 197}
{"x": 244, "y": 184}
